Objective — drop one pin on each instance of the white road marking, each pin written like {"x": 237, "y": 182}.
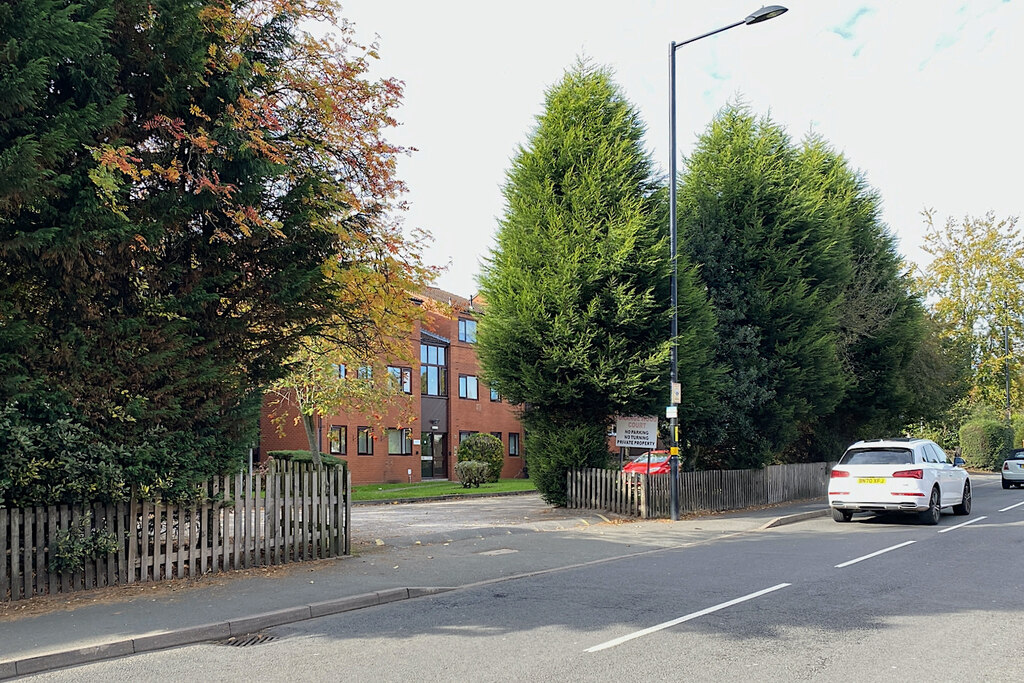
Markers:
{"x": 688, "y": 617}
{"x": 977, "y": 519}
{"x": 1015, "y": 505}
{"x": 868, "y": 557}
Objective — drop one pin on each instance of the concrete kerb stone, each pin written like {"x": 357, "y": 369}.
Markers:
{"x": 792, "y": 519}
{"x": 207, "y": 632}
{"x": 84, "y": 655}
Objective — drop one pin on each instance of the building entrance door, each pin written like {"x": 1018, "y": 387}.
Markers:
{"x": 433, "y": 461}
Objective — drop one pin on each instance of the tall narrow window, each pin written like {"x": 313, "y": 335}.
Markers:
{"x": 513, "y": 444}
{"x": 339, "y": 369}
{"x": 495, "y": 396}
{"x": 365, "y": 372}
{"x": 433, "y": 370}
{"x": 402, "y": 377}
{"x": 467, "y": 387}
{"x": 364, "y": 441}
{"x": 467, "y": 330}
{"x": 338, "y": 440}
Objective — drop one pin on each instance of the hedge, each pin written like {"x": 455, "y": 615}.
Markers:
{"x": 984, "y": 444}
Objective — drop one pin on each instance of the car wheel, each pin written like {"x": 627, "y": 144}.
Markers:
{"x": 1006, "y": 484}
{"x": 934, "y": 511}
{"x": 841, "y": 515}
{"x": 964, "y": 508}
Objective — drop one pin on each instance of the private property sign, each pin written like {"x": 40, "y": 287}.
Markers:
{"x": 636, "y": 432}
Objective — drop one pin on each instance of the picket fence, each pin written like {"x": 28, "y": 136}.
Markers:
{"x": 293, "y": 512}
{"x": 648, "y": 495}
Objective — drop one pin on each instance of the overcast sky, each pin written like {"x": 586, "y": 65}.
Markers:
{"x": 923, "y": 96}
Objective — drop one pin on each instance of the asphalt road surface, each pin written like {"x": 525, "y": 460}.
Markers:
{"x": 873, "y": 600}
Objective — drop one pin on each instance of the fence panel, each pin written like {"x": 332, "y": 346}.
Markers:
{"x": 648, "y": 496}
{"x": 289, "y": 512}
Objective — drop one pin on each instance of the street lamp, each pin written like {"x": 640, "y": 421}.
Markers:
{"x": 763, "y": 14}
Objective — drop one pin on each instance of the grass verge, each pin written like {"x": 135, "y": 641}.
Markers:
{"x": 435, "y": 489}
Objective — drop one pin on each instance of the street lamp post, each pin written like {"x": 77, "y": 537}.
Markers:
{"x": 763, "y": 14}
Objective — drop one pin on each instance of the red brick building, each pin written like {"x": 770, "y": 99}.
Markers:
{"x": 445, "y": 401}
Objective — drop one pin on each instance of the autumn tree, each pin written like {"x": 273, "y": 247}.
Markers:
{"x": 976, "y": 285}
{"x": 577, "y": 321}
{"x": 188, "y": 189}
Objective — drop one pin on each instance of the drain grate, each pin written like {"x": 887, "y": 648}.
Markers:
{"x": 247, "y": 640}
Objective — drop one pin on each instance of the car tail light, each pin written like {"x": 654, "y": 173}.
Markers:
{"x": 1006, "y": 466}
{"x": 909, "y": 474}
{"x": 838, "y": 473}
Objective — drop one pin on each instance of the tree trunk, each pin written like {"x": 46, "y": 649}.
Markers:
{"x": 314, "y": 443}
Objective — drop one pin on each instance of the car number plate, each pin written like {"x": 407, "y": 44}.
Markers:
{"x": 871, "y": 480}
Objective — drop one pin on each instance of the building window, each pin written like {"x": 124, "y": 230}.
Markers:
{"x": 467, "y": 387}
{"x": 365, "y": 372}
{"x": 399, "y": 441}
{"x": 433, "y": 370}
{"x": 496, "y": 435}
{"x": 494, "y": 395}
{"x": 338, "y": 440}
{"x": 339, "y": 369}
{"x": 513, "y": 444}
{"x": 402, "y": 378}
{"x": 467, "y": 330}
{"x": 364, "y": 441}
{"x": 465, "y": 435}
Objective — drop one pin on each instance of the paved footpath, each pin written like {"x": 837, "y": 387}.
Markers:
{"x": 400, "y": 551}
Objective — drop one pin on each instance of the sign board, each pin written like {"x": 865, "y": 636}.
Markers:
{"x": 636, "y": 432}
{"x": 671, "y": 412}
{"x": 677, "y": 393}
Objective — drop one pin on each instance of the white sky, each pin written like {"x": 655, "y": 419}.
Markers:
{"x": 925, "y": 97}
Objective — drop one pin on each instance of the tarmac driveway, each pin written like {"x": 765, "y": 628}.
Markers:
{"x": 403, "y": 524}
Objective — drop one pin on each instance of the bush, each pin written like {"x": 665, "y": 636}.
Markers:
{"x": 551, "y": 451}
{"x": 1018, "y": 431}
{"x": 471, "y": 472}
{"x": 305, "y": 456}
{"x": 485, "y": 448}
{"x": 985, "y": 443}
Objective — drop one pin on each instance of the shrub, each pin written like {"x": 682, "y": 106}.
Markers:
{"x": 305, "y": 456}
{"x": 471, "y": 472}
{"x": 80, "y": 543}
{"x": 485, "y": 448}
{"x": 551, "y": 451}
{"x": 1018, "y": 431}
{"x": 985, "y": 443}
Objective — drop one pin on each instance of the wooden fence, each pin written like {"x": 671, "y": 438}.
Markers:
{"x": 648, "y": 496}
{"x": 290, "y": 513}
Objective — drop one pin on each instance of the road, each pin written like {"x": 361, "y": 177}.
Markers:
{"x": 874, "y": 600}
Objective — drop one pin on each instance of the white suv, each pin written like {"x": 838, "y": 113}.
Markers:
{"x": 898, "y": 475}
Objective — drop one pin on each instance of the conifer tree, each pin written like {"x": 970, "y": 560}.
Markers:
{"x": 576, "y": 326}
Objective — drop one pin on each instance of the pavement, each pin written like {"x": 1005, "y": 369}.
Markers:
{"x": 399, "y": 552}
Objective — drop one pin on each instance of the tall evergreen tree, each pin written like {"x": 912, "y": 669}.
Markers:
{"x": 187, "y": 189}
{"x": 775, "y": 264}
{"x": 577, "y": 298}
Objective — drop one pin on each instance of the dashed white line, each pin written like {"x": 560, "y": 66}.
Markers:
{"x": 1015, "y": 505}
{"x": 874, "y": 554}
{"x": 976, "y": 519}
{"x": 688, "y": 617}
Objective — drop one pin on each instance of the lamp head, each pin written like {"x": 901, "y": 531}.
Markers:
{"x": 764, "y": 14}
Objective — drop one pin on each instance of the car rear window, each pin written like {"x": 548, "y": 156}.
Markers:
{"x": 878, "y": 456}
{"x": 1017, "y": 454}
{"x": 654, "y": 459}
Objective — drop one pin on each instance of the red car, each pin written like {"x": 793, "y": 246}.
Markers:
{"x": 652, "y": 462}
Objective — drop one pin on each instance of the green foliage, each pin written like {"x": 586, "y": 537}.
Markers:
{"x": 305, "y": 456}
{"x": 984, "y": 444}
{"x": 554, "y": 449}
{"x": 79, "y": 543}
{"x": 471, "y": 472}
{"x": 1018, "y": 431}
{"x": 485, "y": 448}
{"x": 976, "y": 282}
{"x": 577, "y": 321}
{"x": 187, "y": 189}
